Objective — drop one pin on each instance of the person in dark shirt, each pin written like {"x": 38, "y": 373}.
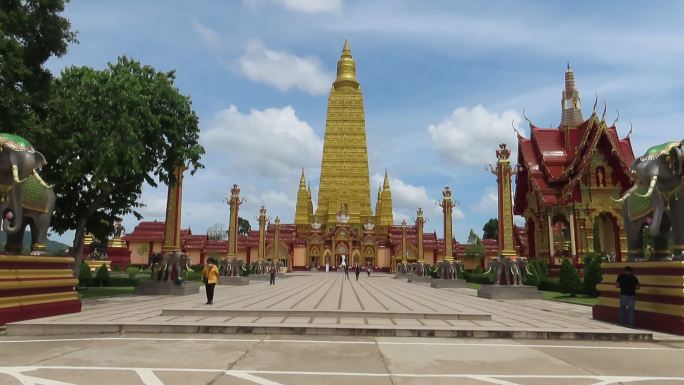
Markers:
{"x": 357, "y": 270}
{"x": 628, "y": 284}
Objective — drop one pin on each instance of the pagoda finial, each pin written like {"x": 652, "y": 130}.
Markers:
{"x": 302, "y": 180}
{"x": 346, "y": 69}
{"x": 385, "y": 182}
{"x": 569, "y": 69}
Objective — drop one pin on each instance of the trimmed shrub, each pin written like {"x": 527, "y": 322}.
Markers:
{"x": 480, "y": 278}
{"x": 102, "y": 276}
{"x": 541, "y": 268}
{"x": 549, "y": 284}
{"x": 532, "y": 278}
{"x": 85, "y": 277}
{"x": 569, "y": 281}
{"x": 132, "y": 271}
{"x": 593, "y": 275}
{"x": 122, "y": 281}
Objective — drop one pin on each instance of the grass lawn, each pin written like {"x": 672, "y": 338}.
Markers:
{"x": 98, "y": 292}
{"x": 474, "y": 285}
{"x": 579, "y": 299}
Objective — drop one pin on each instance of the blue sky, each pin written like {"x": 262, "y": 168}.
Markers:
{"x": 442, "y": 81}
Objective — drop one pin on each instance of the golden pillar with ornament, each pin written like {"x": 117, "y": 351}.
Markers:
{"x": 234, "y": 202}
{"x": 174, "y": 199}
{"x": 503, "y": 174}
{"x": 447, "y": 206}
{"x": 276, "y": 241}
{"x": 420, "y": 222}
{"x": 263, "y": 220}
{"x": 404, "y": 246}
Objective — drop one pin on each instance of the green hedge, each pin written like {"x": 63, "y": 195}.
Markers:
{"x": 550, "y": 284}
{"x": 84, "y": 276}
{"x": 481, "y": 278}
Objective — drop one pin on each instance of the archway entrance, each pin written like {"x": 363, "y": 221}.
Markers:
{"x": 561, "y": 239}
{"x": 607, "y": 236}
{"x": 341, "y": 254}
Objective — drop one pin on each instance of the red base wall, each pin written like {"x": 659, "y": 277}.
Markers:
{"x": 25, "y": 312}
{"x": 643, "y": 319}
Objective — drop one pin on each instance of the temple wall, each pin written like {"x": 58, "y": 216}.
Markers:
{"x": 429, "y": 257}
{"x": 299, "y": 257}
{"x": 156, "y": 247}
{"x": 383, "y": 257}
{"x": 470, "y": 263}
{"x": 195, "y": 256}
{"x": 139, "y": 252}
{"x": 242, "y": 254}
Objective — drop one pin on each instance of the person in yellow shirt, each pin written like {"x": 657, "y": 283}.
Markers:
{"x": 210, "y": 277}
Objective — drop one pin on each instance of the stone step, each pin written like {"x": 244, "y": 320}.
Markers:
{"x": 55, "y": 328}
{"x": 322, "y": 313}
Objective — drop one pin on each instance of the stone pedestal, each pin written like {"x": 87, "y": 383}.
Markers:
{"x": 96, "y": 264}
{"x": 234, "y": 281}
{"x": 448, "y": 283}
{"x": 36, "y": 286}
{"x": 264, "y": 277}
{"x": 509, "y": 292}
{"x": 659, "y": 301}
{"x": 400, "y": 276}
{"x": 120, "y": 256}
{"x": 166, "y": 288}
{"x": 419, "y": 278}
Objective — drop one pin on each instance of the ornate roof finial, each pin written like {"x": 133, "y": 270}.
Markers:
{"x": 617, "y": 117}
{"x": 515, "y": 129}
{"x": 605, "y": 107}
{"x": 595, "y": 102}
{"x": 302, "y": 180}
{"x": 385, "y": 182}
{"x": 346, "y": 69}
{"x": 528, "y": 119}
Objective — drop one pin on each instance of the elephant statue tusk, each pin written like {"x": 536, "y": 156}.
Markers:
{"x": 488, "y": 270}
{"x": 15, "y": 174}
{"x": 527, "y": 270}
{"x": 651, "y": 187}
{"x": 627, "y": 194}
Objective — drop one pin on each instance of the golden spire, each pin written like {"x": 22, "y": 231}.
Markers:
{"x": 303, "y": 203}
{"x": 346, "y": 70}
{"x": 385, "y": 183}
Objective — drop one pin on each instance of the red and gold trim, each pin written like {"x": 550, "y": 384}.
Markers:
{"x": 33, "y": 286}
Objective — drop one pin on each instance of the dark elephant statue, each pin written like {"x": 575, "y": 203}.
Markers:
{"x": 178, "y": 262}
{"x": 447, "y": 269}
{"x": 25, "y": 199}
{"x": 501, "y": 266}
{"x": 656, "y": 200}
{"x": 157, "y": 264}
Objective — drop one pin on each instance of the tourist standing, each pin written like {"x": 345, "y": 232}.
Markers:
{"x": 272, "y": 276}
{"x": 368, "y": 268}
{"x": 628, "y": 284}
{"x": 346, "y": 272}
{"x": 210, "y": 277}
{"x": 357, "y": 270}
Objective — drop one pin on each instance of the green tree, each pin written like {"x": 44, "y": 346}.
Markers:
{"x": 243, "y": 226}
{"x": 84, "y": 275}
{"x": 475, "y": 251}
{"x": 473, "y": 239}
{"x": 217, "y": 232}
{"x": 102, "y": 275}
{"x": 491, "y": 229}
{"x": 593, "y": 275}
{"x": 533, "y": 278}
{"x": 109, "y": 132}
{"x": 569, "y": 281}
{"x": 31, "y": 32}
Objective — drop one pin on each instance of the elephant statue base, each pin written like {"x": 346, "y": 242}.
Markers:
{"x": 509, "y": 274}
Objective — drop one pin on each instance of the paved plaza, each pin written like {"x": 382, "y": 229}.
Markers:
{"x": 266, "y": 339}
{"x": 327, "y": 304}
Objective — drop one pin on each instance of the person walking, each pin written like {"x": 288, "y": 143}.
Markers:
{"x": 272, "y": 275}
{"x": 368, "y": 268}
{"x": 210, "y": 277}
{"x": 357, "y": 270}
{"x": 628, "y": 284}
{"x": 346, "y": 272}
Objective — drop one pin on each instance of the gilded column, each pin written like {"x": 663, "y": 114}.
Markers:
{"x": 276, "y": 241}
{"x": 234, "y": 202}
{"x": 420, "y": 222}
{"x": 573, "y": 248}
{"x": 551, "y": 254}
{"x": 262, "y": 233}
{"x": 404, "y": 248}
{"x": 503, "y": 178}
{"x": 447, "y": 205}
{"x": 172, "y": 241}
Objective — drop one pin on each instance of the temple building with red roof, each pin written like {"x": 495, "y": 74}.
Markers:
{"x": 565, "y": 180}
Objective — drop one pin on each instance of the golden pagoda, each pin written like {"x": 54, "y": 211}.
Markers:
{"x": 345, "y": 181}
{"x": 304, "y": 208}
{"x": 383, "y": 209}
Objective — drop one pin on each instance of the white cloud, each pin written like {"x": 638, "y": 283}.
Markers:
{"x": 208, "y": 35}
{"x": 306, "y": 6}
{"x": 489, "y": 203}
{"x": 284, "y": 70}
{"x": 271, "y": 142}
{"x": 407, "y": 198}
{"x": 471, "y": 136}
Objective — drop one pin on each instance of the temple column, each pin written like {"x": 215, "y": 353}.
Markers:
{"x": 548, "y": 215}
{"x": 262, "y": 234}
{"x": 276, "y": 241}
{"x": 234, "y": 202}
{"x": 404, "y": 249}
{"x": 447, "y": 205}
{"x": 503, "y": 178}
{"x": 174, "y": 199}
{"x": 573, "y": 248}
{"x": 420, "y": 222}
